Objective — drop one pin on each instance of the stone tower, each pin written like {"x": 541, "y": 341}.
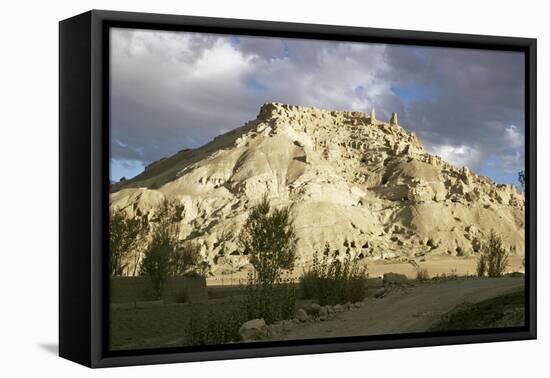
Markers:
{"x": 393, "y": 119}
{"x": 372, "y": 116}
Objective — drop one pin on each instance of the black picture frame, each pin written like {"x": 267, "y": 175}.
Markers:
{"x": 84, "y": 186}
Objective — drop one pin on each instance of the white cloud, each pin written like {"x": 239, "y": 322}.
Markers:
{"x": 514, "y": 138}
{"x": 221, "y": 61}
{"x": 172, "y": 90}
{"x": 511, "y": 163}
{"x": 460, "y": 156}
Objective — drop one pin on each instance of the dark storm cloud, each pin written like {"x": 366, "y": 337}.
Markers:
{"x": 179, "y": 90}
{"x": 478, "y": 101}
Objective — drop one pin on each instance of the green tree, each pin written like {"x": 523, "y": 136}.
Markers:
{"x": 125, "y": 234}
{"x": 185, "y": 258}
{"x": 521, "y": 179}
{"x": 165, "y": 256}
{"x": 159, "y": 254}
{"x": 268, "y": 238}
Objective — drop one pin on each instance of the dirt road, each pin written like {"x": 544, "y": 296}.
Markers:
{"x": 412, "y": 309}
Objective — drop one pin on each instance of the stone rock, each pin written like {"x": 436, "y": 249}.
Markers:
{"x": 323, "y": 312}
{"x": 313, "y": 309}
{"x": 254, "y": 329}
{"x": 274, "y": 330}
{"x": 287, "y": 325}
{"x": 302, "y": 315}
{"x": 338, "y": 308}
{"x": 372, "y": 116}
{"x": 394, "y": 279}
{"x": 380, "y": 292}
{"x": 393, "y": 119}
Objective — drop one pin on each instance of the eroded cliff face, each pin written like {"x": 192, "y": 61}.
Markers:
{"x": 365, "y": 186}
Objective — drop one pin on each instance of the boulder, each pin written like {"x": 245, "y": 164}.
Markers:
{"x": 254, "y": 329}
{"x": 287, "y": 325}
{"x": 394, "y": 279}
{"x": 302, "y": 315}
{"x": 313, "y": 309}
{"x": 380, "y": 292}
{"x": 275, "y": 329}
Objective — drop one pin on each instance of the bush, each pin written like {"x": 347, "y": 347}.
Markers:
{"x": 422, "y": 274}
{"x": 214, "y": 327}
{"x": 494, "y": 257}
{"x": 270, "y": 302}
{"x": 309, "y": 283}
{"x": 481, "y": 266}
{"x": 331, "y": 281}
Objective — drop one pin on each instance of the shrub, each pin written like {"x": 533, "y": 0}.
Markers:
{"x": 269, "y": 239}
{"x": 481, "y": 265}
{"x": 422, "y": 274}
{"x": 209, "y": 327}
{"x": 331, "y": 281}
{"x": 493, "y": 259}
{"x": 270, "y": 302}
{"x": 308, "y": 283}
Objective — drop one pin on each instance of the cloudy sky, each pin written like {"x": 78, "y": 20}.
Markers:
{"x": 175, "y": 90}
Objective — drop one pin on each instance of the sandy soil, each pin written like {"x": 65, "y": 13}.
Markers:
{"x": 436, "y": 266}
{"x": 412, "y": 309}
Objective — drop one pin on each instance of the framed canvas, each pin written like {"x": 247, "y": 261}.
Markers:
{"x": 235, "y": 188}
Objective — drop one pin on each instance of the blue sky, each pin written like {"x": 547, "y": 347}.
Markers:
{"x": 415, "y": 92}
{"x": 175, "y": 90}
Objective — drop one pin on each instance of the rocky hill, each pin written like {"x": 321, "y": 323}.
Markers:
{"x": 366, "y": 186}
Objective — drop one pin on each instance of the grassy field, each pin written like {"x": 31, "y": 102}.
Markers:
{"x": 503, "y": 311}
{"x": 177, "y": 325}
